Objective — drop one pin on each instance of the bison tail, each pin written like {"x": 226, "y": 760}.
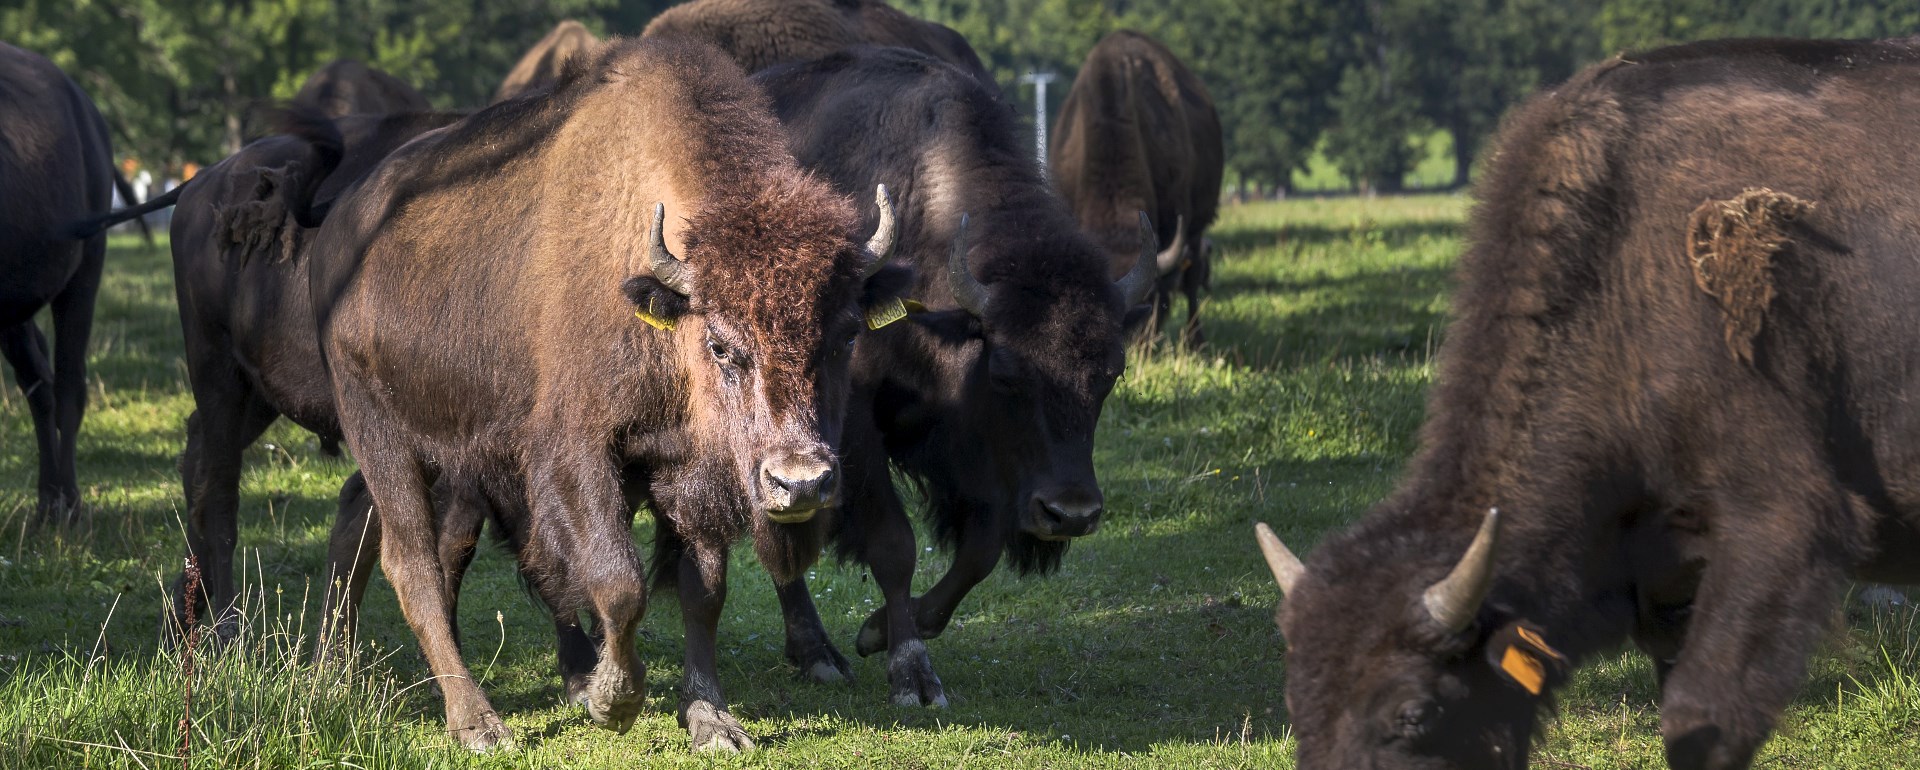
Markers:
{"x": 126, "y": 194}
{"x": 83, "y": 229}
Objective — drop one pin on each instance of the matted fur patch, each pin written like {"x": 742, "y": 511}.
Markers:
{"x": 256, "y": 225}
{"x": 1731, "y": 244}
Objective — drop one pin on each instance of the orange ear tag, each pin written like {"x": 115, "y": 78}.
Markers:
{"x": 657, "y": 322}
{"x": 1524, "y": 668}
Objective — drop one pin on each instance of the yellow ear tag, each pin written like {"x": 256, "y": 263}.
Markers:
{"x": 1527, "y": 635}
{"x": 657, "y": 322}
{"x": 888, "y": 312}
{"x": 1524, "y": 668}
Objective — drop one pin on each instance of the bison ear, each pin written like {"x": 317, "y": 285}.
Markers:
{"x": 883, "y": 298}
{"x": 654, "y": 303}
{"x": 1519, "y": 653}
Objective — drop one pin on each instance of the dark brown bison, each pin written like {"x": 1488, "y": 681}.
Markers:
{"x": 761, "y": 33}
{"x": 347, "y": 87}
{"x": 1138, "y": 132}
{"x": 989, "y": 398}
{"x": 56, "y": 165}
{"x": 619, "y": 290}
{"x": 542, "y": 64}
{"x": 1680, "y": 370}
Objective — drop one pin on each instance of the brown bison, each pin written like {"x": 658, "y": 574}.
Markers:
{"x": 619, "y": 290}
{"x": 1138, "y": 132}
{"x": 761, "y": 33}
{"x": 1680, "y": 371}
{"x": 56, "y": 165}
{"x": 989, "y": 398}
{"x": 347, "y": 87}
{"x": 542, "y": 64}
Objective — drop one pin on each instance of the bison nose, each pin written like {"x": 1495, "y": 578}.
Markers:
{"x": 796, "y": 487}
{"x": 1070, "y": 515}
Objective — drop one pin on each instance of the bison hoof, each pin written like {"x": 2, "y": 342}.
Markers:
{"x": 820, "y": 662}
{"x": 911, "y": 677}
{"x": 713, "y": 729}
{"x": 612, "y": 700}
{"x": 486, "y": 734}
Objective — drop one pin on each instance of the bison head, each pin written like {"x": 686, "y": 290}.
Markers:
{"x": 1036, "y": 358}
{"x": 762, "y": 316}
{"x": 1394, "y": 660}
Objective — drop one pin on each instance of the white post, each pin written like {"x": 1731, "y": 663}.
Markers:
{"x": 1039, "y": 81}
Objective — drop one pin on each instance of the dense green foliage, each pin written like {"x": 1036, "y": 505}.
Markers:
{"x": 1153, "y": 647}
{"x": 1364, "y": 83}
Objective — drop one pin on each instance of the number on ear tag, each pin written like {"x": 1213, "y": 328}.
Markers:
{"x": 891, "y": 311}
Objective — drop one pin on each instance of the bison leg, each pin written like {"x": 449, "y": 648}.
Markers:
{"x": 72, "y": 325}
{"x": 1194, "y": 280}
{"x": 588, "y": 550}
{"x": 978, "y": 554}
{"x": 703, "y": 710}
{"x": 352, "y": 548}
{"x": 26, "y": 351}
{"x": 408, "y": 557}
{"x": 1764, "y": 599}
{"x": 891, "y": 553}
{"x": 808, "y": 646}
{"x": 218, "y": 432}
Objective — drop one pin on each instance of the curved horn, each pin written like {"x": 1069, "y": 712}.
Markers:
{"x": 1169, "y": 258}
{"x": 1286, "y": 567}
{"x": 881, "y": 244}
{"x": 967, "y": 290}
{"x": 1139, "y": 281}
{"x": 1455, "y": 600}
{"x": 667, "y": 269}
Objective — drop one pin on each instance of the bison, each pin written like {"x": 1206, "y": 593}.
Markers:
{"x": 542, "y": 64}
{"x": 347, "y": 87}
{"x": 988, "y": 397}
{"x": 1138, "y": 132}
{"x": 1673, "y": 407}
{"x": 507, "y": 303}
{"x": 56, "y": 165}
{"x": 762, "y": 33}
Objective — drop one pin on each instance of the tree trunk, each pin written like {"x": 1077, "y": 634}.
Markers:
{"x": 1462, "y": 152}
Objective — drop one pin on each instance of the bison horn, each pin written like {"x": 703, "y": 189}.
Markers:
{"x": 1169, "y": 258}
{"x": 1139, "y": 281}
{"x": 1455, "y": 600}
{"x": 667, "y": 269}
{"x": 1286, "y": 567}
{"x": 881, "y": 244}
{"x": 967, "y": 290}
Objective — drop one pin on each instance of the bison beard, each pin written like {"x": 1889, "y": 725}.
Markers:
{"x": 650, "y": 180}
{"x": 1693, "y": 417}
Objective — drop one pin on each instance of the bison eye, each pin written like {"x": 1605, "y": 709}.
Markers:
{"x": 719, "y": 351}
{"x": 1415, "y": 718}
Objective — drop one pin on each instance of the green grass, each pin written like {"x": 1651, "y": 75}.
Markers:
{"x": 1154, "y": 646}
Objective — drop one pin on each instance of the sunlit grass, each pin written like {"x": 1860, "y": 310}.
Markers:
{"x": 1153, "y": 646}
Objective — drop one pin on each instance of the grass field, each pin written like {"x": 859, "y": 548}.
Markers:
{"x": 1153, "y": 647}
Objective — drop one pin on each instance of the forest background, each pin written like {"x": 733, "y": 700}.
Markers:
{"x": 1348, "y": 94}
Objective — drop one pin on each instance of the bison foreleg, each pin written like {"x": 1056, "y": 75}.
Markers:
{"x": 703, "y": 710}
{"x": 808, "y": 646}
{"x": 1764, "y": 600}
{"x": 26, "y": 350}
{"x": 353, "y": 547}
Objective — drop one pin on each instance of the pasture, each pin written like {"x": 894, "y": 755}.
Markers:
{"x": 1153, "y": 646}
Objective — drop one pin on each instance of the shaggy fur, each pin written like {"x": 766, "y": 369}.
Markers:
{"x": 1731, "y": 244}
{"x": 476, "y": 300}
{"x": 56, "y": 166}
{"x": 347, "y": 87}
{"x": 990, "y": 417}
{"x": 1139, "y": 132}
{"x": 761, "y": 33}
{"x": 542, "y": 65}
{"x": 1652, "y": 487}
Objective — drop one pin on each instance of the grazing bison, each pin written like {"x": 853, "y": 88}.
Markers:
{"x": 1138, "y": 132}
{"x": 988, "y": 400}
{"x": 761, "y": 33}
{"x": 543, "y": 63}
{"x": 1681, "y": 370}
{"x": 347, "y": 87}
{"x": 56, "y": 165}
{"x": 501, "y": 303}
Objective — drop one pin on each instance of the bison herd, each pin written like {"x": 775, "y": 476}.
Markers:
{"x": 742, "y": 270}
